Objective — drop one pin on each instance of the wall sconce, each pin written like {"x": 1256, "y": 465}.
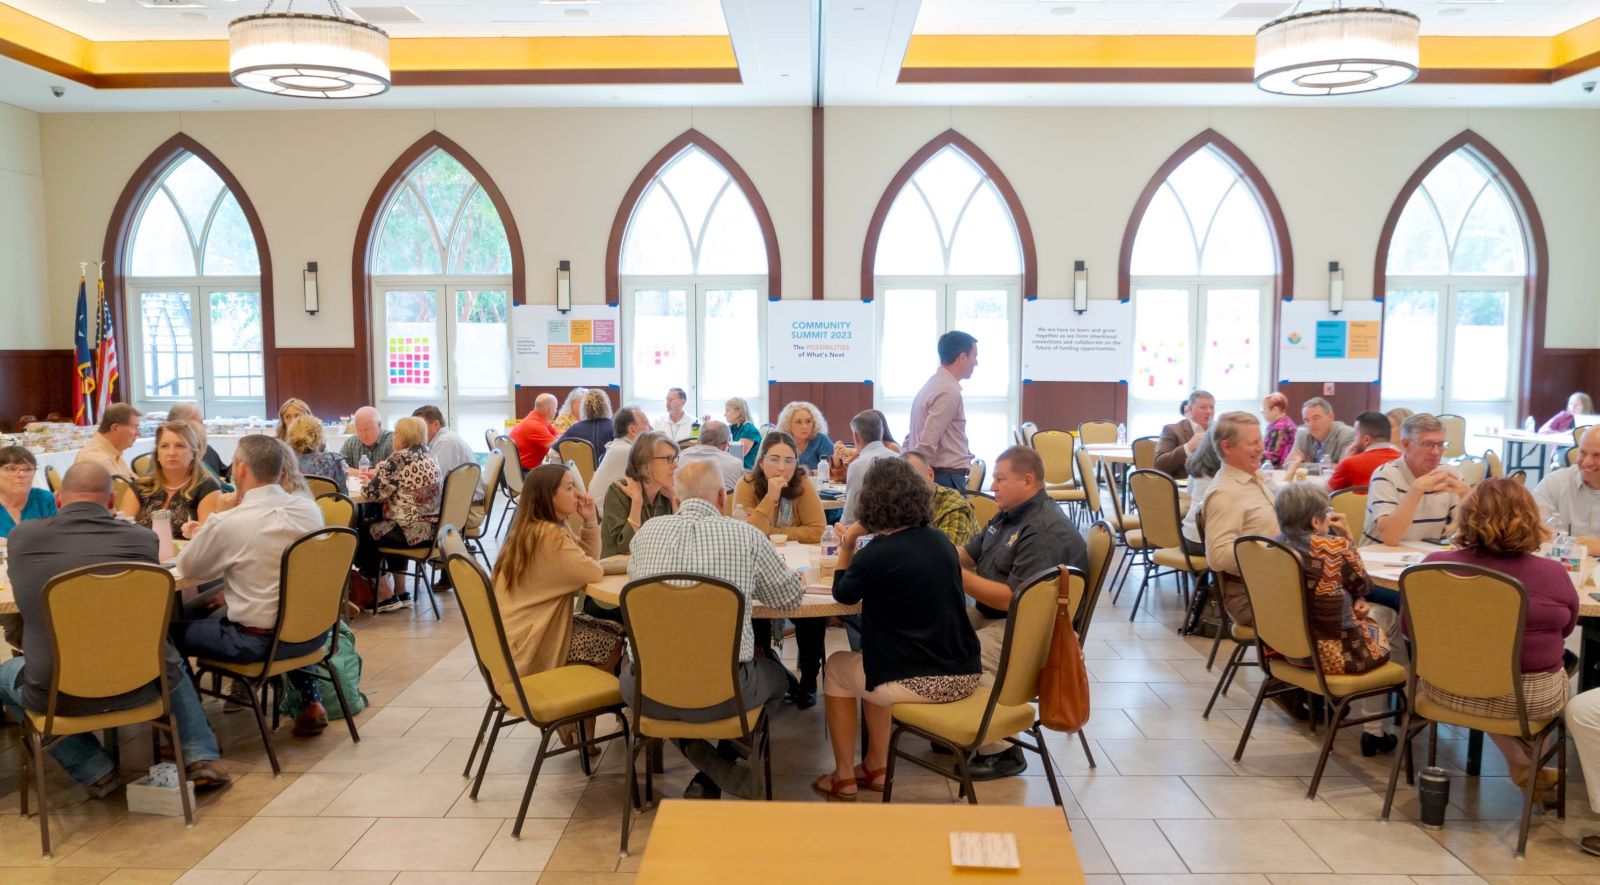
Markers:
{"x": 1080, "y": 286}
{"x": 564, "y": 286}
{"x": 310, "y": 277}
{"x": 1335, "y": 287}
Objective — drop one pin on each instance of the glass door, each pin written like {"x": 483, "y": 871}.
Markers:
{"x": 708, "y": 339}
{"x": 478, "y": 392}
{"x": 1213, "y": 334}
{"x": 200, "y": 344}
{"x": 410, "y": 352}
{"x": 447, "y": 346}
{"x": 1451, "y": 348}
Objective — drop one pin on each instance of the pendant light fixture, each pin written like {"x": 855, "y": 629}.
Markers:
{"x": 1337, "y": 51}
{"x": 308, "y": 55}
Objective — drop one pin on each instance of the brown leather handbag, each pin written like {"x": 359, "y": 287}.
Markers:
{"x": 1064, "y": 681}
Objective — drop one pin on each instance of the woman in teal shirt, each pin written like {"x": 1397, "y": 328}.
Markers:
{"x": 744, "y": 432}
{"x": 19, "y": 500}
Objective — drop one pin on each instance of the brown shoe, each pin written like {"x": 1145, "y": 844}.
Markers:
{"x": 1591, "y": 844}
{"x": 313, "y": 719}
{"x": 208, "y": 775}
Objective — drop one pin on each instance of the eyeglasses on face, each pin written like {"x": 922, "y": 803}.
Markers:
{"x": 672, "y": 458}
{"x": 778, "y": 459}
{"x": 19, "y": 469}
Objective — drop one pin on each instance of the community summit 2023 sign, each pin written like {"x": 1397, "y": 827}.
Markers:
{"x": 820, "y": 341}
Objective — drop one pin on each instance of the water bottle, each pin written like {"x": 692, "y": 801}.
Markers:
{"x": 161, "y": 524}
{"x": 740, "y": 513}
{"x": 365, "y": 463}
{"x": 830, "y": 551}
{"x": 1122, "y": 434}
{"x": 694, "y": 431}
{"x": 1527, "y": 424}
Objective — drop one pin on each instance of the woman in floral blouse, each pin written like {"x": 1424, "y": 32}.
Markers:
{"x": 409, "y": 485}
{"x": 1279, "y": 430}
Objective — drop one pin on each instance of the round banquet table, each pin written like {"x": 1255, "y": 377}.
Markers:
{"x": 817, "y": 603}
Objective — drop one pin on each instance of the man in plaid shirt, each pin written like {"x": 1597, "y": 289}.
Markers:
{"x": 699, "y": 540}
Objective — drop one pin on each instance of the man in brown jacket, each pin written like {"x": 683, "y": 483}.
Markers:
{"x": 1180, "y": 439}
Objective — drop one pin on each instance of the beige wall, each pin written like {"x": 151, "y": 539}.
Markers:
{"x": 564, "y": 171}
{"x": 26, "y": 324}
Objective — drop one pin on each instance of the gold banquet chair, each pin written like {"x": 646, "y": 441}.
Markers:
{"x": 976, "y": 475}
{"x": 580, "y": 453}
{"x": 1160, "y": 533}
{"x": 984, "y": 508}
{"x": 511, "y": 475}
{"x": 1466, "y": 633}
{"x": 337, "y": 510}
{"x": 1352, "y": 502}
{"x": 1455, "y": 435}
{"x": 321, "y": 485}
{"x": 993, "y": 712}
{"x": 1056, "y": 448}
{"x": 313, "y": 576}
{"x": 1098, "y": 432}
{"x": 108, "y": 634}
{"x": 455, "y": 502}
{"x": 473, "y": 535}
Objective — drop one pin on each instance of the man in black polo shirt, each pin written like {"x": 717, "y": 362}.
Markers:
{"x": 1029, "y": 535}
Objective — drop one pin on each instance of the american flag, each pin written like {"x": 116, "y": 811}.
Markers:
{"x": 105, "y": 347}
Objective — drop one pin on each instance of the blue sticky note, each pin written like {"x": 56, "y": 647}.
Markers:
{"x": 1330, "y": 339}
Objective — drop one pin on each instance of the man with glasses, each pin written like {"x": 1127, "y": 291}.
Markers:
{"x": 119, "y": 427}
{"x": 1414, "y": 498}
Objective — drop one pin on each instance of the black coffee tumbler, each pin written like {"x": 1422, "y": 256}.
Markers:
{"x": 1434, "y": 788}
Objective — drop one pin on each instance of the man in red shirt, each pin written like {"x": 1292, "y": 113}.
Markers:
{"x": 1371, "y": 451}
{"x": 534, "y": 434}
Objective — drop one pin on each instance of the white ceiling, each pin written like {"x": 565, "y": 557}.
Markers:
{"x": 1532, "y": 18}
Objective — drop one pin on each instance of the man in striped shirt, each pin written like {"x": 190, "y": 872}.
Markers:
{"x": 1414, "y": 498}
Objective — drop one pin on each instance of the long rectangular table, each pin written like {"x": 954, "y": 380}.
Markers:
{"x": 225, "y": 444}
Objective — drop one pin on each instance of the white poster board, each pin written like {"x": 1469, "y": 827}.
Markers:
{"x": 554, "y": 349}
{"x": 1060, "y": 344}
{"x": 1315, "y": 344}
{"x": 820, "y": 340}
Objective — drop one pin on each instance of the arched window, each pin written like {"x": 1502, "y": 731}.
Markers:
{"x": 441, "y": 267}
{"x": 1202, "y": 272}
{"x": 949, "y": 250}
{"x": 192, "y": 275}
{"x": 693, "y": 275}
{"x": 1454, "y": 278}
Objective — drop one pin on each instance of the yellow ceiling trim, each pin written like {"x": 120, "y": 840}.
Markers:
{"x": 42, "y": 37}
{"x": 1130, "y": 51}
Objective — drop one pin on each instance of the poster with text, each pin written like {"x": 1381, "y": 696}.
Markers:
{"x": 555, "y": 349}
{"x": 1060, "y": 344}
{"x": 820, "y": 341}
{"x": 1315, "y": 344}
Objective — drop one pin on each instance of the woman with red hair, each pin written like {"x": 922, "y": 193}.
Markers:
{"x": 1279, "y": 430}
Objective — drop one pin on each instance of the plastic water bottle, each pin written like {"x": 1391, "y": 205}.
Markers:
{"x": 161, "y": 524}
{"x": 694, "y": 431}
{"x": 365, "y": 463}
{"x": 1528, "y": 425}
{"x": 740, "y": 513}
{"x": 1122, "y": 434}
{"x": 830, "y": 551}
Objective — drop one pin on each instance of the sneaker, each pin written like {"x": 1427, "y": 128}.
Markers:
{"x": 1006, "y": 763}
{"x": 392, "y": 604}
{"x": 404, "y": 596}
{"x": 238, "y": 698}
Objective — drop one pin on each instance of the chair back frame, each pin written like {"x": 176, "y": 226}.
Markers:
{"x": 1352, "y": 502}
{"x": 1102, "y": 544}
{"x": 1156, "y": 495}
{"x": 1246, "y": 550}
{"x": 340, "y": 500}
{"x": 1455, "y": 435}
{"x": 1088, "y": 481}
{"x": 284, "y": 586}
{"x": 1097, "y": 432}
{"x": 694, "y": 580}
{"x": 1144, "y": 452}
{"x": 464, "y": 569}
{"x": 984, "y": 508}
{"x": 455, "y": 499}
{"x": 511, "y": 473}
{"x": 976, "y": 475}
{"x": 321, "y": 485}
{"x": 492, "y": 471}
{"x": 1056, "y": 448}
{"x": 1047, "y": 581}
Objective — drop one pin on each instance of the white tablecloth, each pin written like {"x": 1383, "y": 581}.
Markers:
{"x": 225, "y": 445}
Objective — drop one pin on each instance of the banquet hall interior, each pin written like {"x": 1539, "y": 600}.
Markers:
{"x": 1271, "y": 325}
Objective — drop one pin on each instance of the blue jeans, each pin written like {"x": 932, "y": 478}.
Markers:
{"x": 220, "y": 639}
{"x": 85, "y": 760}
{"x": 957, "y": 481}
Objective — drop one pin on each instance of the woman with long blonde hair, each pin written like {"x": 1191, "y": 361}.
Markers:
{"x": 178, "y": 482}
{"x": 292, "y": 408}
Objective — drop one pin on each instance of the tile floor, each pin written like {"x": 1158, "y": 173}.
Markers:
{"x": 1166, "y": 804}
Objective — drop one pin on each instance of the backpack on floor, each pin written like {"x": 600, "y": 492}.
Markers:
{"x": 348, "y": 662}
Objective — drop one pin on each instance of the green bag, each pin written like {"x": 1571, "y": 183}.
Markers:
{"x": 348, "y": 663}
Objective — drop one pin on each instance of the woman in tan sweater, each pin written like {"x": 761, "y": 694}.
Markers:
{"x": 778, "y": 498}
{"x": 542, "y": 565}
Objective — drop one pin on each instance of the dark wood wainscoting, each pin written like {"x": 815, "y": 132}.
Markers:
{"x": 839, "y": 402}
{"x": 1558, "y": 373}
{"x": 1348, "y": 400}
{"x": 1063, "y": 405}
{"x": 34, "y": 382}
{"x": 331, "y": 379}
{"x": 526, "y": 396}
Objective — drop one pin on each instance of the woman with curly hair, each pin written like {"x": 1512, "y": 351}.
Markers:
{"x": 307, "y": 441}
{"x": 805, "y": 423}
{"x": 1499, "y": 528}
{"x": 570, "y": 409}
{"x": 917, "y": 644}
{"x": 595, "y": 428}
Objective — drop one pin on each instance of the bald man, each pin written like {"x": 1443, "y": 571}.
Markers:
{"x": 1573, "y": 494}
{"x": 370, "y": 440}
{"x": 535, "y": 433}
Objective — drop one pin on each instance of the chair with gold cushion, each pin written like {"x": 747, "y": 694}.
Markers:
{"x": 1161, "y": 533}
{"x": 1520, "y": 477}
{"x": 140, "y": 465}
{"x": 108, "y": 635}
{"x": 976, "y": 475}
{"x": 1144, "y": 452}
{"x": 1466, "y": 625}
{"x": 312, "y": 580}
{"x": 321, "y": 485}
{"x": 684, "y": 633}
{"x": 1089, "y": 482}
{"x": 1099, "y": 432}
{"x": 1497, "y": 468}
{"x": 455, "y": 502}
{"x": 1056, "y": 449}
{"x": 1244, "y": 638}
{"x": 1028, "y": 429}
{"x": 511, "y": 475}
{"x": 1121, "y": 524}
{"x": 337, "y": 510}
{"x": 1102, "y": 546}
{"x": 547, "y": 700}
{"x": 52, "y": 478}
{"x": 1273, "y": 583}
{"x": 1352, "y": 502}
{"x": 473, "y": 535}
{"x": 579, "y": 452}
{"x": 1472, "y": 470}
{"x": 984, "y": 508}
{"x": 122, "y": 490}
{"x": 996, "y": 712}
{"x": 1455, "y": 435}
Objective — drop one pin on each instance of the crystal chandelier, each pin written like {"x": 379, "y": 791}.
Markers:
{"x": 307, "y": 55}
{"x": 1337, "y": 51}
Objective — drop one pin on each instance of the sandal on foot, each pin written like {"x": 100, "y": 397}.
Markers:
{"x": 832, "y": 789}
{"x": 870, "y": 778}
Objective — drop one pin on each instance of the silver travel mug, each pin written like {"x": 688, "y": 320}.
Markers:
{"x": 1433, "y": 786}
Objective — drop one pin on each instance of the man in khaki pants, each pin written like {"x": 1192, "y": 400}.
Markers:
{"x": 1583, "y": 720}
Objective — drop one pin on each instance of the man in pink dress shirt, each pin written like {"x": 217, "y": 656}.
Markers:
{"x": 938, "y": 415}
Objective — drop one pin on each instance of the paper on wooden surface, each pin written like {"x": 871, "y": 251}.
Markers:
{"x": 995, "y": 851}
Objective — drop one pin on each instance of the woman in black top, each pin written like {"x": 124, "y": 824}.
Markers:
{"x": 917, "y": 645}
{"x": 178, "y": 482}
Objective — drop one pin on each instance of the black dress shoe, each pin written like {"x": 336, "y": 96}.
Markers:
{"x": 802, "y": 699}
{"x": 941, "y": 749}
{"x": 1007, "y": 763}
{"x": 1373, "y": 744}
{"x": 702, "y": 787}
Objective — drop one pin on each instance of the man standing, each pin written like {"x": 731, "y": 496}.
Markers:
{"x": 370, "y": 441}
{"x": 451, "y": 451}
{"x": 952, "y": 512}
{"x": 1322, "y": 440}
{"x": 1237, "y": 504}
{"x": 939, "y": 416}
{"x": 1372, "y": 450}
{"x": 626, "y": 426}
{"x": 243, "y": 545}
{"x": 119, "y": 427}
{"x": 713, "y": 447}
{"x": 1413, "y": 498}
{"x": 1180, "y": 439}
{"x": 83, "y": 533}
{"x": 676, "y": 425}
{"x": 1572, "y": 494}
{"x": 867, "y": 429}
{"x": 1027, "y": 536}
{"x": 535, "y": 434}
{"x": 699, "y": 539}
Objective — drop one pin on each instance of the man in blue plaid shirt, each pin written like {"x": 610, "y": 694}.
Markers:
{"x": 699, "y": 540}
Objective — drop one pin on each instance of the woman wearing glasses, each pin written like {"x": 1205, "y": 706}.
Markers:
{"x": 644, "y": 491}
{"x": 19, "y": 500}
